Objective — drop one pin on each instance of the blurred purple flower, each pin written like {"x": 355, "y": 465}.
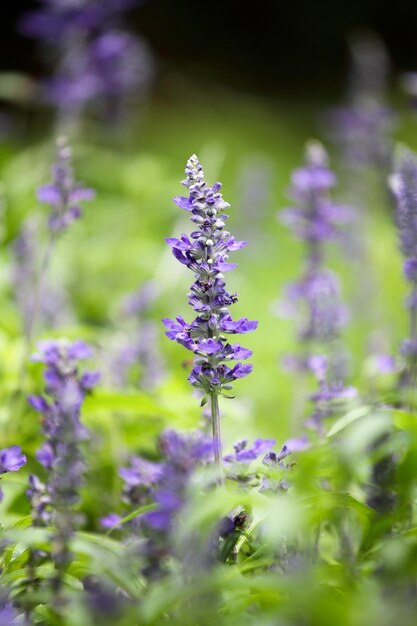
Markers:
{"x": 60, "y": 453}
{"x": 63, "y": 195}
{"x": 243, "y": 454}
{"x": 315, "y": 298}
{"x": 95, "y": 60}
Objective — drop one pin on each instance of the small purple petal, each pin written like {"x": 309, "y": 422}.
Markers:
{"x": 11, "y": 459}
{"x": 49, "y": 194}
{"x": 111, "y": 520}
{"x": 183, "y": 203}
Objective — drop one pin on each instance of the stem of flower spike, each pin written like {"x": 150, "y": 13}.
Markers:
{"x": 217, "y": 441}
{"x": 412, "y": 368}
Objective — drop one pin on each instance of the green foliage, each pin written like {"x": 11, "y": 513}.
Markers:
{"x": 314, "y": 553}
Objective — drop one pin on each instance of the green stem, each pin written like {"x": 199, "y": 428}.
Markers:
{"x": 217, "y": 441}
{"x": 412, "y": 369}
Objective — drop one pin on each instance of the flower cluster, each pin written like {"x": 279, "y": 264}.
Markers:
{"x": 404, "y": 188}
{"x": 206, "y": 253}
{"x": 11, "y": 460}
{"x": 316, "y": 220}
{"x": 63, "y": 195}
{"x": 163, "y": 483}
{"x": 98, "y": 61}
{"x": 60, "y": 453}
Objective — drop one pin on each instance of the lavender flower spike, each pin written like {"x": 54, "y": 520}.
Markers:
{"x": 63, "y": 195}
{"x": 206, "y": 253}
{"x": 60, "y": 454}
{"x": 315, "y": 298}
{"x": 404, "y": 188}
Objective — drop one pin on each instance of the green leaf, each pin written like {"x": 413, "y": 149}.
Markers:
{"x": 348, "y": 419}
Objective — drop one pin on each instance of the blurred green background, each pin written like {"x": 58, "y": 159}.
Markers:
{"x": 250, "y": 145}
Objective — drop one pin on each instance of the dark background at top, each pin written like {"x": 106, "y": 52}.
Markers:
{"x": 264, "y": 47}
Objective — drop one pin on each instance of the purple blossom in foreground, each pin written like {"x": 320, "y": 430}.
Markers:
{"x": 163, "y": 483}
{"x": 206, "y": 253}
{"x": 9, "y": 615}
{"x": 404, "y": 188}
{"x": 11, "y": 460}
{"x": 60, "y": 454}
{"x": 63, "y": 194}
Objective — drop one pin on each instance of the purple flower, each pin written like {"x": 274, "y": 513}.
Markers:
{"x": 206, "y": 253}
{"x": 243, "y": 454}
{"x": 95, "y": 60}
{"x": 297, "y": 444}
{"x": 242, "y": 326}
{"x": 11, "y": 459}
{"x": 316, "y": 218}
{"x": 111, "y": 520}
{"x": 141, "y": 472}
{"x": 164, "y": 484}
{"x": 362, "y": 129}
{"x": 404, "y": 188}
{"x": 63, "y": 195}
{"x": 315, "y": 298}
{"x": 60, "y": 452}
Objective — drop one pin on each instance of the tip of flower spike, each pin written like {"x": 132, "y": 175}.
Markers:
{"x": 194, "y": 172}
{"x": 63, "y": 147}
{"x": 315, "y": 154}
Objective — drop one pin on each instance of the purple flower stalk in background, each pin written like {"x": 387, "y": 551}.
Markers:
{"x": 206, "y": 253}
{"x": 60, "y": 454}
{"x": 362, "y": 130}
{"x": 96, "y": 61}
{"x": 404, "y": 188}
{"x": 316, "y": 219}
{"x": 140, "y": 347}
{"x": 63, "y": 195}
{"x": 11, "y": 460}
{"x": 362, "y": 133}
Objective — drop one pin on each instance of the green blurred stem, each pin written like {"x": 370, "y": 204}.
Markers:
{"x": 412, "y": 371}
{"x": 217, "y": 441}
{"x": 33, "y": 322}
{"x": 39, "y": 292}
